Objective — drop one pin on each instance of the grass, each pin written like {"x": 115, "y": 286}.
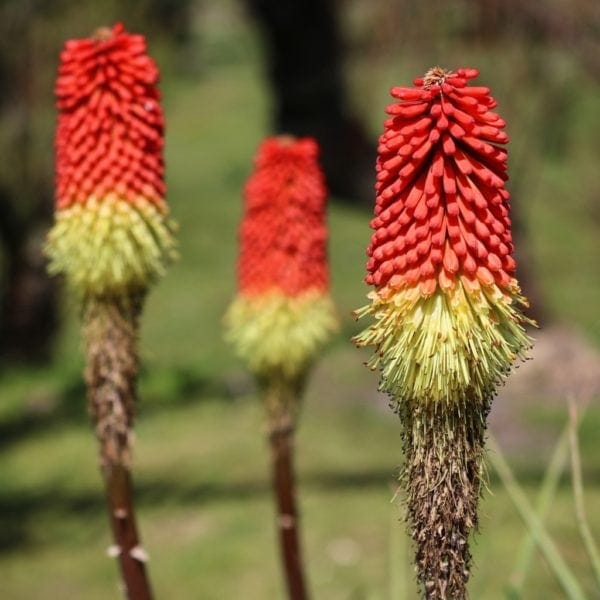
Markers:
{"x": 205, "y": 509}
{"x": 200, "y": 458}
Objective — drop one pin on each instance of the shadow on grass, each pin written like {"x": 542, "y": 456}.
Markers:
{"x": 183, "y": 386}
{"x": 19, "y": 509}
{"x": 32, "y": 420}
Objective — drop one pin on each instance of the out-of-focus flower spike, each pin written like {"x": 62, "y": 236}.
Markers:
{"x": 283, "y": 311}
{"x": 111, "y": 239}
{"x": 112, "y": 234}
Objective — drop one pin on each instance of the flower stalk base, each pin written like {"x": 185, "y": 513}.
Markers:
{"x": 110, "y": 330}
{"x": 443, "y": 476}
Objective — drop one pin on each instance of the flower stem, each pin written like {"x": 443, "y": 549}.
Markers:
{"x": 398, "y": 556}
{"x": 131, "y": 555}
{"x": 110, "y": 329}
{"x": 548, "y": 489}
{"x": 546, "y": 545}
{"x": 577, "y": 479}
{"x": 281, "y": 400}
{"x": 552, "y": 477}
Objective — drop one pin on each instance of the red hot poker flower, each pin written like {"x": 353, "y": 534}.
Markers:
{"x": 111, "y": 239}
{"x": 447, "y": 325}
{"x": 446, "y": 297}
{"x": 111, "y": 234}
{"x": 283, "y": 311}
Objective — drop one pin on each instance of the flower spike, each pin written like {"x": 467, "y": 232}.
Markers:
{"x": 111, "y": 239}
{"x": 111, "y": 233}
{"x": 446, "y": 304}
{"x": 283, "y": 311}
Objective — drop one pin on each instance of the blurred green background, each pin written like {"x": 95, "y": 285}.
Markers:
{"x": 201, "y": 465}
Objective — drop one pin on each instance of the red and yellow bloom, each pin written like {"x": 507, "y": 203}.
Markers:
{"x": 111, "y": 233}
{"x": 446, "y": 301}
{"x": 283, "y": 310}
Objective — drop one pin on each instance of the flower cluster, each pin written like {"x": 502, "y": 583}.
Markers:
{"x": 283, "y": 310}
{"x": 447, "y": 323}
{"x": 111, "y": 233}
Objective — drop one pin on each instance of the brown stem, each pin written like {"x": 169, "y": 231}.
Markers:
{"x": 281, "y": 400}
{"x": 110, "y": 326}
{"x": 131, "y": 556}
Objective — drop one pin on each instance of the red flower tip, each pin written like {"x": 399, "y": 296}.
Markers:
{"x": 442, "y": 211}
{"x": 283, "y": 235}
{"x": 110, "y": 124}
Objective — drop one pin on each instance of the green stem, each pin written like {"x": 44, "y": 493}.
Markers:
{"x": 398, "y": 557}
{"x": 577, "y": 479}
{"x": 546, "y": 545}
{"x": 552, "y": 477}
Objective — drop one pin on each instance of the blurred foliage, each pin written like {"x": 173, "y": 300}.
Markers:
{"x": 201, "y": 465}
